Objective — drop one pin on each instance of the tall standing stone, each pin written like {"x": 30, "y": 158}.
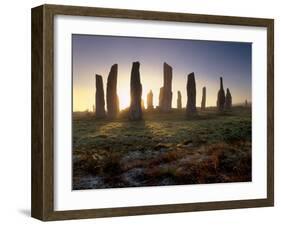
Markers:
{"x": 118, "y": 107}
{"x": 136, "y": 93}
{"x": 149, "y": 100}
{"x": 203, "y": 102}
{"x": 111, "y": 93}
{"x": 221, "y": 97}
{"x": 100, "y": 111}
{"x": 191, "y": 95}
{"x": 179, "y": 104}
{"x": 228, "y": 100}
{"x": 161, "y": 98}
{"x": 167, "y": 88}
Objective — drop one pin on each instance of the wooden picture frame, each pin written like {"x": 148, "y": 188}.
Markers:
{"x": 43, "y": 112}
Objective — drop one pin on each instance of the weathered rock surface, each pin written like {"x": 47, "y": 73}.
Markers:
{"x": 111, "y": 93}
{"x": 221, "y": 97}
{"x": 228, "y": 100}
{"x": 100, "y": 111}
{"x": 179, "y": 103}
{"x": 149, "y": 100}
{"x": 135, "y": 112}
{"x": 118, "y": 107}
{"x": 203, "y": 102}
{"x": 167, "y": 88}
{"x": 161, "y": 97}
{"x": 191, "y": 95}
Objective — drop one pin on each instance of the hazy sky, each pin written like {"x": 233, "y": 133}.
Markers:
{"x": 207, "y": 59}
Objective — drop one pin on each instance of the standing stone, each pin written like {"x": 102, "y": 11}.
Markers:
{"x": 136, "y": 93}
{"x": 111, "y": 93}
{"x": 161, "y": 98}
{"x": 118, "y": 107}
{"x": 246, "y": 103}
{"x": 191, "y": 95}
{"x": 179, "y": 105}
{"x": 167, "y": 88}
{"x": 203, "y": 102}
{"x": 228, "y": 100}
{"x": 100, "y": 111}
{"x": 149, "y": 100}
{"x": 221, "y": 97}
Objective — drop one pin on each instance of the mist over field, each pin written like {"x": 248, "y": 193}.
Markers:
{"x": 158, "y": 112}
{"x": 162, "y": 149}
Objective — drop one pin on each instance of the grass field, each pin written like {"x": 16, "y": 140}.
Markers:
{"x": 162, "y": 149}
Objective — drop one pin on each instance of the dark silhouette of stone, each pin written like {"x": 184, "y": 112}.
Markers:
{"x": 203, "y": 102}
{"x": 191, "y": 95}
{"x": 179, "y": 104}
{"x": 161, "y": 98}
{"x": 228, "y": 100}
{"x": 111, "y": 93}
{"x": 100, "y": 111}
{"x": 167, "y": 88}
{"x": 118, "y": 107}
{"x": 149, "y": 100}
{"x": 136, "y": 93}
{"x": 221, "y": 97}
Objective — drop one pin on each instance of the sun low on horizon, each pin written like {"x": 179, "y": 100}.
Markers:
{"x": 209, "y": 61}
{"x": 124, "y": 99}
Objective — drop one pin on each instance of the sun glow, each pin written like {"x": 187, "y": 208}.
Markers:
{"x": 124, "y": 100}
{"x": 208, "y": 60}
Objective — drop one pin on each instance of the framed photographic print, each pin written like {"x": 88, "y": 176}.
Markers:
{"x": 141, "y": 112}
